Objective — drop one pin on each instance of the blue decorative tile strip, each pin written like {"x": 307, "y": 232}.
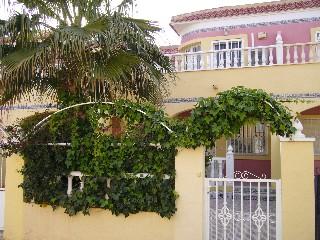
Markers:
{"x": 276, "y": 96}
{"x": 261, "y": 24}
{"x": 26, "y": 107}
{"x": 173, "y": 100}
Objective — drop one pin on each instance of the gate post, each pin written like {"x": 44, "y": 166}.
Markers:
{"x": 297, "y": 177}
{"x": 14, "y": 221}
{"x": 190, "y": 173}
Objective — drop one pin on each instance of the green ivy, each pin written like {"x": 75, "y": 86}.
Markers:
{"x": 146, "y": 146}
{"x": 213, "y": 118}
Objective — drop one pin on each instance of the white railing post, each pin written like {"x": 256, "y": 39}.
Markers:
{"x": 249, "y": 57}
{"x": 242, "y": 58}
{"x": 202, "y": 56}
{"x": 311, "y": 53}
{"x": 278, "y": 210}
{"x": 295, "y": 54}
{"x": 264, "y": 59}
{"x": 271, "y": 56}
{"x": 279, "y": 48}
{"x": 303, "y": 54}
{"x": 256, "y": 57}
{"x": 69, "y": 191}
{"x": 176, "y": 64}
{"x": 230, "y": 162}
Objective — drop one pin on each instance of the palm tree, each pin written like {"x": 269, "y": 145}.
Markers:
{"x": 80, "y": 50}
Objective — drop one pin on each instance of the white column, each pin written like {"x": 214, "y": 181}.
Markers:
{"x": 230, "y": 162}
{"x": 279, "y": 48}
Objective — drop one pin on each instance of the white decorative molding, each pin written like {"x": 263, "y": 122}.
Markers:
{"x": 258, "y": 20}
{"x": 259, "y": 218}
{"x": 247, "y": 175}
{"x": 299, "y": 128}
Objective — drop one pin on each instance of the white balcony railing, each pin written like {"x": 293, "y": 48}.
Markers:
{"x": 299, "y": 53}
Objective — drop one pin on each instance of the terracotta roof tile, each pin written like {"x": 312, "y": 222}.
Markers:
{"x": 277, "y": 6}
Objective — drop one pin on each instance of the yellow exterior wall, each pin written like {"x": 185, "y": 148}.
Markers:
{"x": 45, "y": 224}
{"x": 298, "y": 204}
{"x": 13, "y": 200}
{"x": 32, "y": 222}
{"x": 303, "y": 78}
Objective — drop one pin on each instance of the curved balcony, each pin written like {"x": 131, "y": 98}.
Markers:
{"x": 279, "y": 54}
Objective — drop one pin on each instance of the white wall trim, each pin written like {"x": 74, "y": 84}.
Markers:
{"x": 186, "y": 27}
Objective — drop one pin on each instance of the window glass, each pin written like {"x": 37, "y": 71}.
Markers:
{"x": 193, "y": 61}
{"x": 311, "y": 128}
{"x": 318, "y": 36}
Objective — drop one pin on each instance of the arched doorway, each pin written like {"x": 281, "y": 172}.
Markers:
{"x": 310, "y": 120}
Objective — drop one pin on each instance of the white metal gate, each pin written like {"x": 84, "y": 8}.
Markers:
{"x": 242, "y": 209}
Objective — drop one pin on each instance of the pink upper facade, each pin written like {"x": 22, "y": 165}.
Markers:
{"x": 291, "y": 32}
{"x": 295, "y": 19}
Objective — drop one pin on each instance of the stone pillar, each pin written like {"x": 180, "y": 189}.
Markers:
{"x": 13, "y": 223}
{"x": 190, "y": 173}
{"x": 297, "y": 176}
{"x": 275, "y": 157}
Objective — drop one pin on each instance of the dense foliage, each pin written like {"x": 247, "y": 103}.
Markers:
{"x": 111, "y": 152}
{"x": 215, "y": 117}
{"x": 109, "y": 161}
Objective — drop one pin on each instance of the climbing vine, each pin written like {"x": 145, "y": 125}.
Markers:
{"x": 213, "y": 118}
{"x": 113, "y": 144}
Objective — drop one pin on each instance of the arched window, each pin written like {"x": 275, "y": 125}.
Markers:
{"x": 310, "y": 120}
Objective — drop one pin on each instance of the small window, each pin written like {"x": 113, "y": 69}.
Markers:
{"x": 251, "y": 139}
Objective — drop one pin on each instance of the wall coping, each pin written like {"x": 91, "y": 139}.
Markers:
{"x": 296, "y": 139}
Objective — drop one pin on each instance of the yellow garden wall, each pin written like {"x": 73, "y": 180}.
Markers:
{"x": 13, "y": 199}
{"x": 298, "y": 201}
{"x": 32, "y": 222}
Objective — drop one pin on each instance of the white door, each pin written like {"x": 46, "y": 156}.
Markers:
{"x": 228, "y": 53}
